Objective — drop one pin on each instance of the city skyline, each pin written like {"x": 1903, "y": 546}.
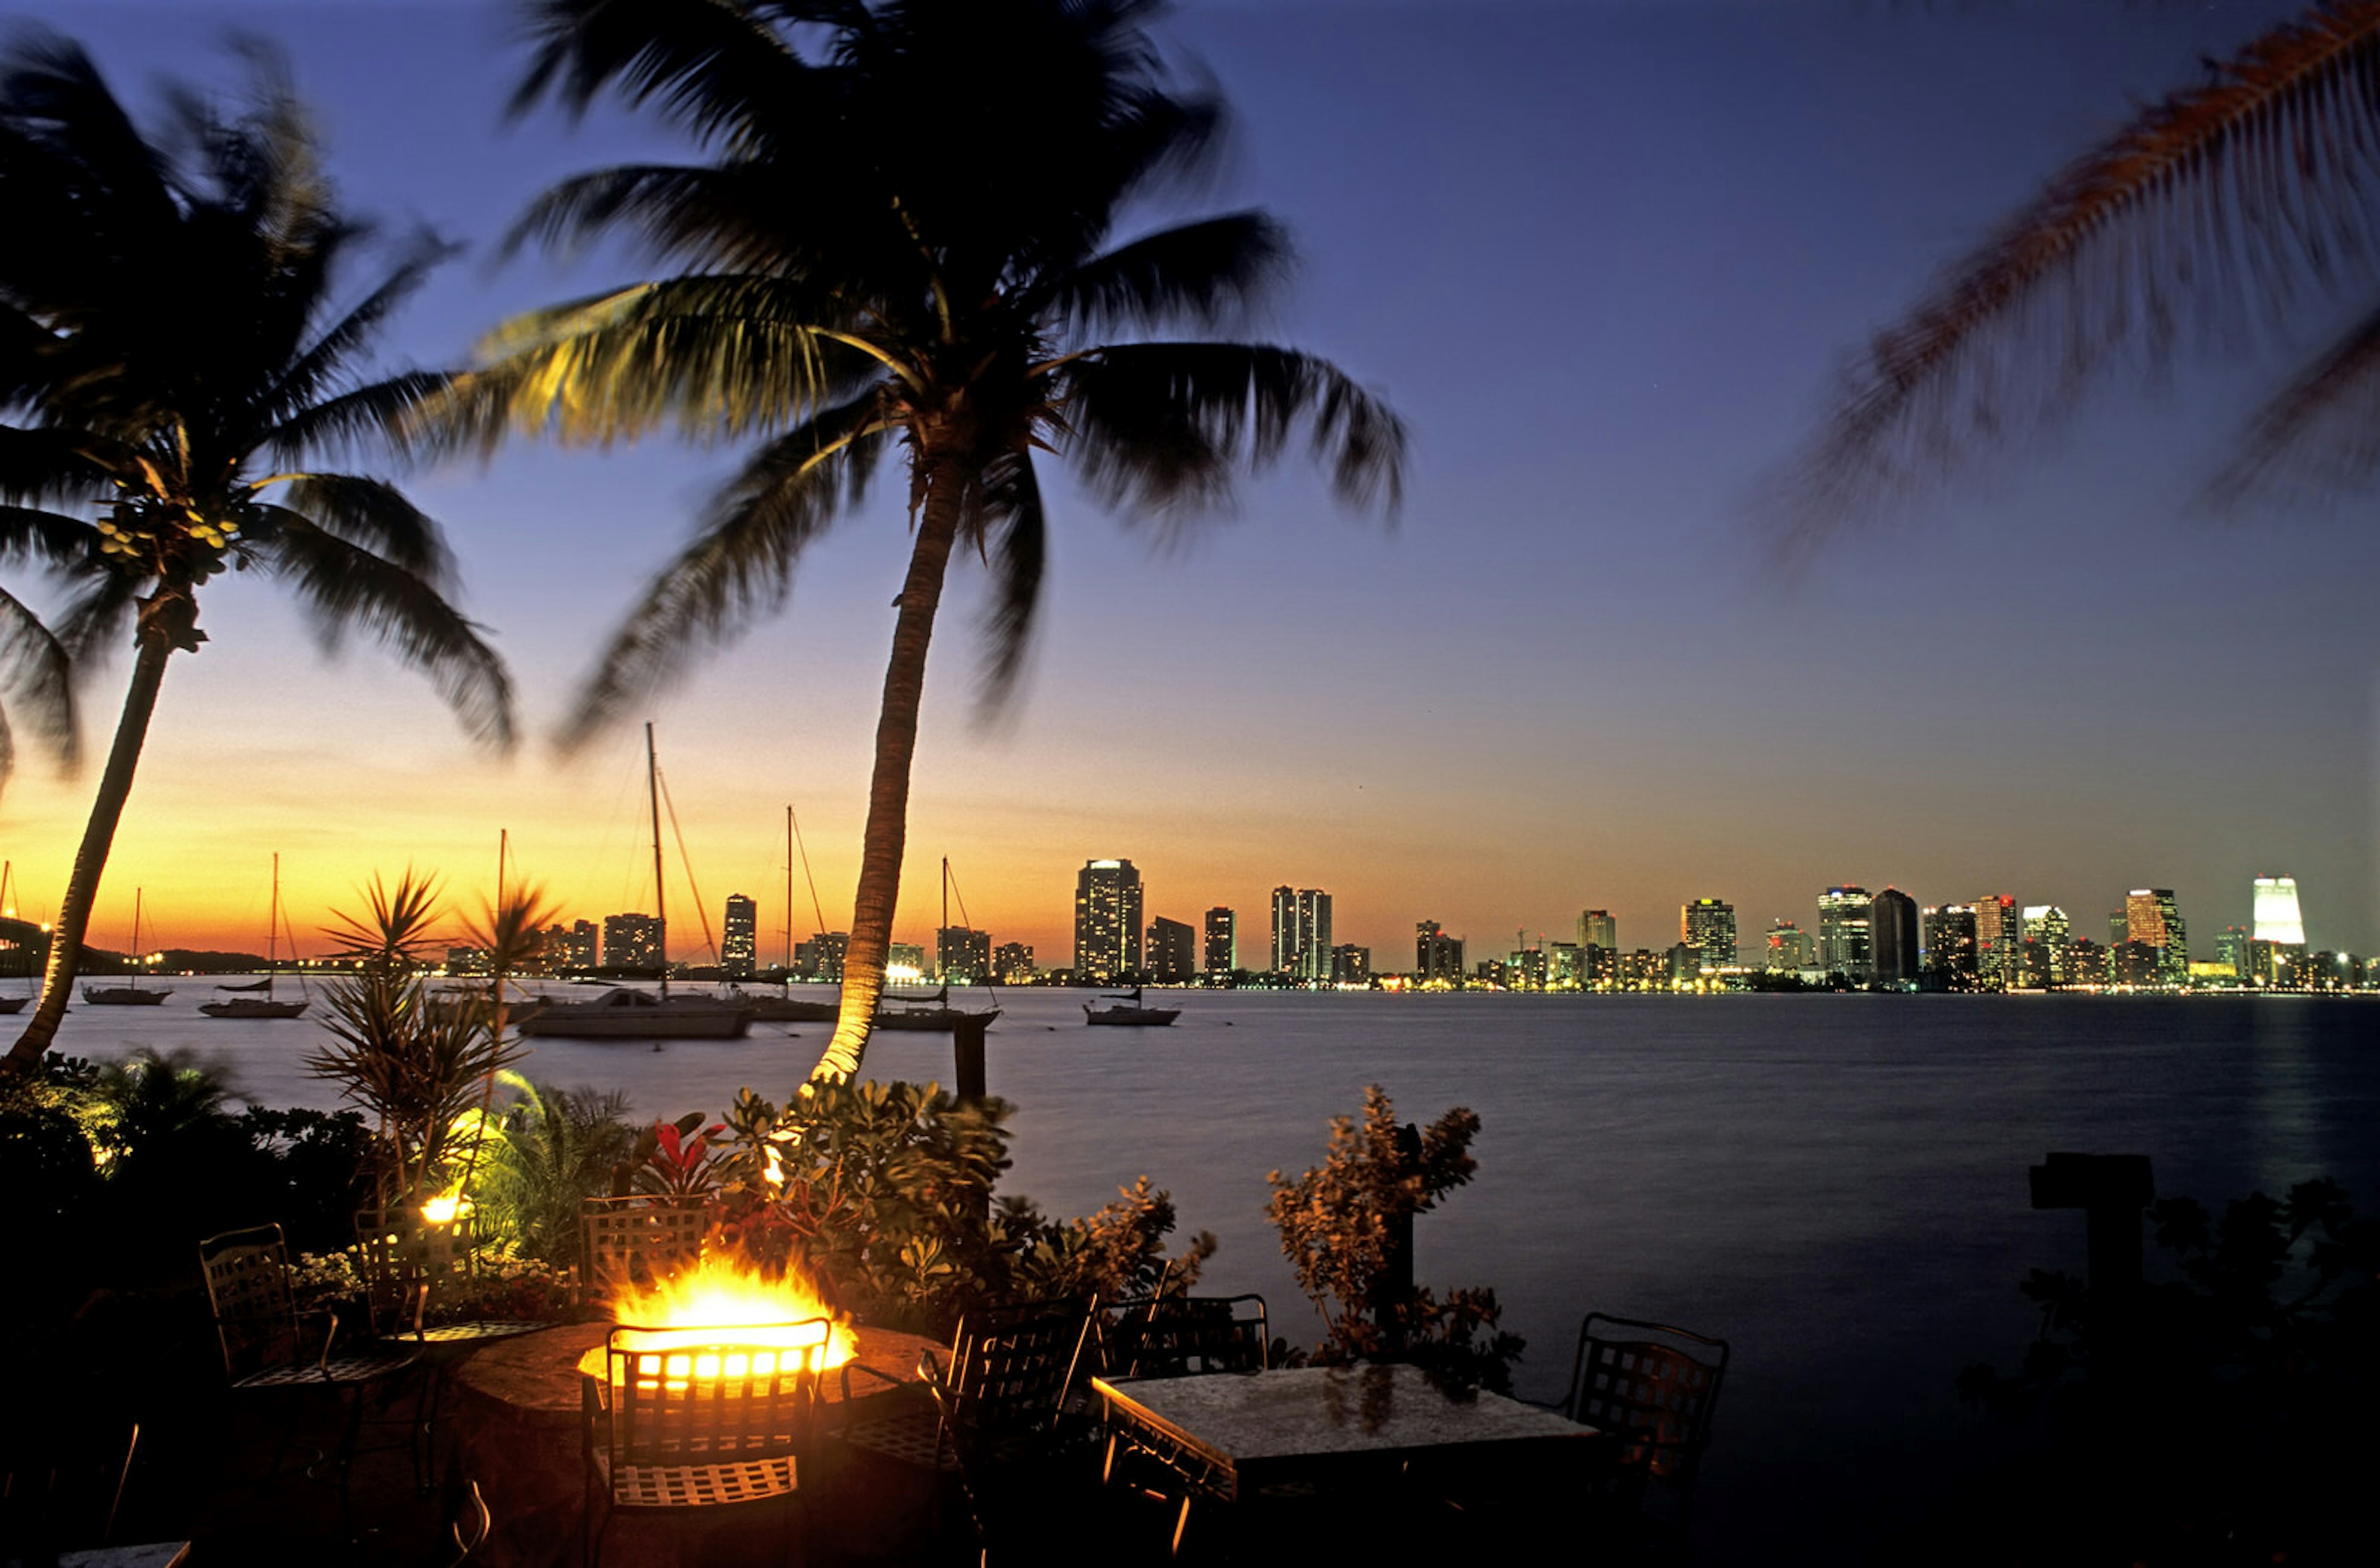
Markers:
{"x": 1560, "y": 740}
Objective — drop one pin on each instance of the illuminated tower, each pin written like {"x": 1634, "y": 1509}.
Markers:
{"x": 1708, "y": 924}
{"x": 1301, "y": 933}
{"x": 1951, "y": 947}
{"x": 1845, "y": 941}
{"x": 2000, "y": 941}
{"x": 2152, "y": 919}
{"x": 2048, "y": 946}
{"x": 738, "y": 937}
{"x": 2278, "y": 919}
{"x": 1892, "y": 938}
{"x": 1107, "y": 919}
{"x": 1598, "y": 928}
{"x": 1222, "y": 941}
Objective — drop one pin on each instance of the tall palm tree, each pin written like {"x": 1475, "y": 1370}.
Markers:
{"x": 2213, "y": 212}
{"x": 906, "y": 233}
{"x": 170, "y": 361}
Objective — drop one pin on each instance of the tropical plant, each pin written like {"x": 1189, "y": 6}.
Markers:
{"x": 906, "y": 234}
{"x": 171, "y": 361}
{"x": 2215, "y": 211}
{"x": 415, "y": 1066}
{"x": 1346, "y": 1228}
{"x": 550, "y": 1148}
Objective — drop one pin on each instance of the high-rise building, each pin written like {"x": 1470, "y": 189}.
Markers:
{"x": 904, "y": 961}
{"x": 1845, "y": 941}
{"x": 1172, "y": 951}
{"x": 1791, "y": 949}
{"x": 962, "y": 956}
{"x": 1012, "y": 963}
{"x": 739, "y": 938}
{"x": 1708, "y": 924}
{"x": 2278, "y": 919}
{"x": 1951, "y": 947}
{"x": 1999, "y": 942}
{"x": 2153, "y": 920}
{"x": 2048, "y": 947}
{"x": 1598, "y": 928}
{"x": 574, "y": 950}
{"x": 1438, "y": 958}
{"x": 1301, "y": 933}
{"x": 821, "y": 958}
{"x": 1107, "y": 919}
{"x": 2231, "y": 949}
{"x": 1222, "y": 943}
{"x": 634, "y": 941}
{"x": 1892, "y": 938}
{"x": 1350, "y": 964}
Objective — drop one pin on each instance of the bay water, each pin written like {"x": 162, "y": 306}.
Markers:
{"x": 1836, "y": 1185}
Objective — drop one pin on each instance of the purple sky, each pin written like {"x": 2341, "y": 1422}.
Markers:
{"x": 1604, "y": 259}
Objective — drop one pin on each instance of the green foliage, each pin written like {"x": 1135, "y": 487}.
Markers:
{"x": 545, "y": 1151}
{"x": 1343, "y": 1223}
{"x": 678, "y": 1159}
{"x": 883, "y": 1195}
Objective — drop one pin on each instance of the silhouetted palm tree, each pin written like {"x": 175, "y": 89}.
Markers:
{"x": 908, "y": 233}
{"x": 170, "y": 359}
{"x": 2216, "y": 211}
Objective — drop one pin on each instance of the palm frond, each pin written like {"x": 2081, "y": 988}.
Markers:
{"x": 1204, "y": 274}
{"x": 2319, "y": 438}
{"x": 374, "y": 515}
{"x": 719, "y": 357}
{"x": 39, "y": 677}
{"x": 97, "y": 614}
{"x": 298, "y": 390}
{"x": 47, "y": 538}
{"x": 705, "y": 64}
{"x": 343, "y": 588}
{"x": 2214, "y": 208}
{"x": 380, "y": 413}
{"x": 1016, "y": 544}
{"x": 395, "y": 925}
{"x": 740, "y": 566}
{"x": 1162, "y": 427}
{"x": 45, "y": 467}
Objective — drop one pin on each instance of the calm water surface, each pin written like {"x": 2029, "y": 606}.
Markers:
{"x": 1836, "y": 1185}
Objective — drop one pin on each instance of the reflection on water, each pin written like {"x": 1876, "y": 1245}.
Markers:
{"x": 1836, "y": 1185}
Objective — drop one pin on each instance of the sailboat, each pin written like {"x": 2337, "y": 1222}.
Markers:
{"x": 12, "y": 1004}
{"x": 263, "y": 1006}
{"x": 784, "y": 1007}
{"x": 932, "y": 1015}
{"x": 626, "y": 1013}
{"x": 1128, "y": 1013}
{"x": 129, "y": 994}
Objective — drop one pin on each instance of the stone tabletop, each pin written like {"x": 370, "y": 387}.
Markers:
{"x": 1317, "y": 1412}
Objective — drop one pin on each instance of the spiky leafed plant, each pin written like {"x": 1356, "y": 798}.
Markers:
{"x": 908, "y": 233}
{"x": 173, "y": 356}
{"x": 414, "y": 1067}
{"x": 2217, "y": 209}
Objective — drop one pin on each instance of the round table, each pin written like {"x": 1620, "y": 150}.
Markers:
{"x": 519, "y": 1427}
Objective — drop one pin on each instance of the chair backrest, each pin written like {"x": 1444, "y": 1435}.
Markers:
{"x": 406, "y": 1260}
{"x": 1652, "y": 1385}
{"x": 1177, "y": 1336}
{"x": 62, "y": 1479}
{"x": 1011, "y": 1366}
{"x": 626, "y": 1241}
{"x": 711, "y": 1396}
{"x": 247, "y": 1289}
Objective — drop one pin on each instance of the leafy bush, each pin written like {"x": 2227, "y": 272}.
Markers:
{"x": 544, "y": 1152}
{"x": 1345, "y": 1228}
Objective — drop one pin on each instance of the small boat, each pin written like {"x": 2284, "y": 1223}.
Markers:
{"x": 1128, "y": 1013}
{"x": 263, "y": 1006}
{"x": 932, "y": 1015}
{"x": 779, "y": 1009}
{"x": 129, "y": 994}
{"x": 625, "y": 1013}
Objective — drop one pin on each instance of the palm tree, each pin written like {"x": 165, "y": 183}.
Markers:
{"x": 2212, "y": 212}
{"x": 170, "y": 359}
{"x": 906, "y": 234}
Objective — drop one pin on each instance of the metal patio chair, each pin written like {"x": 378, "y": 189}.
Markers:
{"x": 1177, "y": 1336}
{"x": 270, "y": 1348}
{"x": 1654, "y": 1387}
{"x": 1002, "y": 1407}
{"x": 636, "y": 1240}
{"x": 696, "y": 1418}
{"x": 411, "y": 1266}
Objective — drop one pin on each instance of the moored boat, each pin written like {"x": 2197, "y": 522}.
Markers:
{"x": 1128, "y": 1013}
{"x": 264, "y": 1007}
{"x": 625, "y": 1013}
{"x": 932, "y": 1015}
{"x": 129, "y": 994}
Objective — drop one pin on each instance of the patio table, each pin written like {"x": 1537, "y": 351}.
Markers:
{"x": 1234, "y": 1435}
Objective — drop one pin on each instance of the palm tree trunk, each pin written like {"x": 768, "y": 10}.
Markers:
{"x": 168, "y": 621}
{"x": 888, "y": 790}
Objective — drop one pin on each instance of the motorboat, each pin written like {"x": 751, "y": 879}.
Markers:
{"x": 626, "y": 1013}
{"x": 1128, "y": 1013}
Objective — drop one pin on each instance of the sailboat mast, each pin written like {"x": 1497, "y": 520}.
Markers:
{"x": 653, "y": 797}
{"x": 789, "y": 895}
{"x": 136, "y": 937}
{"x": 273, "y": 927}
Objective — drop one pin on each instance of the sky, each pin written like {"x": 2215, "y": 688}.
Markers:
{"x": 1604, "y": 259}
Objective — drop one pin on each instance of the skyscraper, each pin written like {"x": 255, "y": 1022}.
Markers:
{"x": 1172, "y": 951}
{"x": 1845, "y": 941}
{"x": 739, "y": 937}
{"x": 2152, "y": 919}
{"x": 1791, "y": 949}
{"x": 821, "y": 958}
{"x": 1951, "y": 947}
{"x": 1598, "y": 928}
{"x": 962, "y": 956}
{"x": 1301, "y": 933}
{"x": 1107, "y": 919}
{"x": 634, "y": 941}
{"x": 2278, "y": 919}
{"x": 1892, "y": 938}
{"x": 2048, "y": 946}
{"x": 2000, "y": 941}
{"x": 1708, "y": 924}
{"x": 1222, "y": 943}
{"x": 1438, "y": 958}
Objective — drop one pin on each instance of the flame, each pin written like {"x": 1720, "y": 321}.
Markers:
{"x": 694, "y": 1306}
